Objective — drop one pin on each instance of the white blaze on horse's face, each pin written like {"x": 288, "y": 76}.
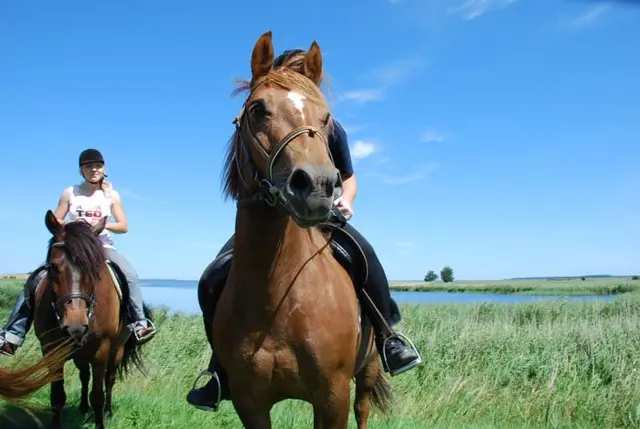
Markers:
{"x": 298, "y": 101}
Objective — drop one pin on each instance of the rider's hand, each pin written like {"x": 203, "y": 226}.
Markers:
{"x": 344, "y": 207}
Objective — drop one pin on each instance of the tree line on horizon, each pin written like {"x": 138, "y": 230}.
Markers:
{"x": 446, "y": 275}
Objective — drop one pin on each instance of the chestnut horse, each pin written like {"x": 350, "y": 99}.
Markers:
{"x": 287, "y": 323}
{"x": 80, "y": 299}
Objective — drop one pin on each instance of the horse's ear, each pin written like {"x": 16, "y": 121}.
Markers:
{"x": 51, "y": 221}
{"x": 98, "y": 227}
{"x": 313, "y": 63}
{"x": 262, "y": 56}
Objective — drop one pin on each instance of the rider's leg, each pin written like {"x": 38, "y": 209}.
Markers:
{"x": 400, "y": 356}
{"x": 139, "y": 324}
{"x": 21, "y": 318}
{"x": 396, "y": 317}
{"x": 208, "y": 397}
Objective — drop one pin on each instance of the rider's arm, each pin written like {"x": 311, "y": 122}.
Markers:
{"x": 120, "y": 226}
{"x": 339, "y": 144}
{"x": 62, "y": 209}
{"x": 350, "y": 189}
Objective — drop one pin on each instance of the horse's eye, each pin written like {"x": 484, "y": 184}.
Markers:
{"x": 258, "y": 109}
{"x": 53, "y": 269}
{"x": 326, "y": 119}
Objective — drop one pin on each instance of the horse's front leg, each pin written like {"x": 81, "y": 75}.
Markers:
{"x": 111, "y": 381}
{"x": 85, "y": 376}
{"x": 58, "y": 398}
{"x": 97, "y": 393}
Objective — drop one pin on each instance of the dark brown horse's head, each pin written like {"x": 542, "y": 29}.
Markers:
{"x": 280, "y": 149}
{"x": 74, "y": 260}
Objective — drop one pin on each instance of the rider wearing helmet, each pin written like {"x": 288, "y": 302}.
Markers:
{"x": 398, "y": 357}
{"x": 90, "y": 201}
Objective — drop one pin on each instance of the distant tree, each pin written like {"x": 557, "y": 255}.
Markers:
{"x": 635, "y": 278}
{"x": 446, "y": 274}
{"x": 582, "y": 278}
{"x": 431, "y": 276}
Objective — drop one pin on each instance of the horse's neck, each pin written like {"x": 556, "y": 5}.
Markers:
{"x": 270, "y": 250}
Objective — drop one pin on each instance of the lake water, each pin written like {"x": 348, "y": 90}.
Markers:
{"x": 181, "y": 296}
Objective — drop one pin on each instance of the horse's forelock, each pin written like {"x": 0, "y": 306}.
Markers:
{"x": 83, "y": 248}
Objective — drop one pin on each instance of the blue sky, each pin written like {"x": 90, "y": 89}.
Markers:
{"x": 499, "y": 137}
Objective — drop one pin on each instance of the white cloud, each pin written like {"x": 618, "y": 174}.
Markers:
{"x": 352, "y": 129}
{"x": 590, "y": 16}
{"x": 473, "y": 9}
{"x": 363, "y": 149}
{"x": 417, "y": 175}
{"x": 361, "y": 95}
{"x": 433, "y": 136}
{"x": 383, "y": 78}
{"x": 397, "y": 71}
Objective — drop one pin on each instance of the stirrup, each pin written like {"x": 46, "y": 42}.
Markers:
{"x": 3, "y": 341}
{"x": 405, "y": 367}
{"x": 215, "y": 406}
{"x": 149, "y": 335}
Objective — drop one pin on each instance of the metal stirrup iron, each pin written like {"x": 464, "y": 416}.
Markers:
{"x": 406, "y": 367}
{"x": 203, "y": 373}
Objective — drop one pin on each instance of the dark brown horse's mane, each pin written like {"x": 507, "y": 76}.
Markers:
{"x": 84, "y": 249}
{"x": 283, "y": 77}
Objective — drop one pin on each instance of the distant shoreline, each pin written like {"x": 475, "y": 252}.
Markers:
{"x": 16, "y": 276}
{"x": 410, "y": 283}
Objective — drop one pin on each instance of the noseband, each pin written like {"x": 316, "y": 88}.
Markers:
{"x": 57, "y": 306}
{"x": 267, "y": 190}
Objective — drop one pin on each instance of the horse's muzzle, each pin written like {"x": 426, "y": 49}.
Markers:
{"x": 77, "y": 332}
{"x": 310, "y": 190}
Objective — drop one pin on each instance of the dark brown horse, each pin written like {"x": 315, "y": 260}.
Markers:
{"x": 79, "y": 299}
{"x": 287, "y": 324}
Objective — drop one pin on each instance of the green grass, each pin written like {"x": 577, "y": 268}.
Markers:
{"x": 605, "y": 286}
{"x": 551, "y": 364}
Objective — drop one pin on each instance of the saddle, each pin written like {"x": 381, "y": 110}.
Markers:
{"x": 344, "y": 253}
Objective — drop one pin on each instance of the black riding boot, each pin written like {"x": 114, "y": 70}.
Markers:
{"x": 397, "y": 352}
{"x": 210, "y": 287}
{"x": 208, "y": 397}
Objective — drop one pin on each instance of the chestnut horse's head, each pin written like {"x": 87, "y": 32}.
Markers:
{"x": 279, "y": 152}
{"x": 74, "y": 260}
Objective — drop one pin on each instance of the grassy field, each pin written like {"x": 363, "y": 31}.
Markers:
{"x": 549, "y": 364}
{"x": 602, "y": 286}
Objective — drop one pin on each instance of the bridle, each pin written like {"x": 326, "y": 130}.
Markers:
{"x": 57, "y": 305}
{"x": 267, "y": 191}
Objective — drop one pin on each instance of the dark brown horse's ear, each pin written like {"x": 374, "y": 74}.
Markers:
{"x": 262, "y": 56}
{"x": 51, "y": 221}
{"x": 313, "y": 64}
{"x": 98, "y": 227}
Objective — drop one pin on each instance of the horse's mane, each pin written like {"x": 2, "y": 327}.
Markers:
{"x": 84, "y": 249}
{"x": 288, "y": 76}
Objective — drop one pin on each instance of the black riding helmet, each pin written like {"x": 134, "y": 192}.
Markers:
{"x": 285, "y": 56}
{"x": 90, "y": 155}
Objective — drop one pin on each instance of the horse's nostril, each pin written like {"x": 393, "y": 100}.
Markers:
{"x": 75, "y": 331}
{"x": 300, "y": 183}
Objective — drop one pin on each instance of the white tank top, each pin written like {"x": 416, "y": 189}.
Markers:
{"x": 90, "y": 208}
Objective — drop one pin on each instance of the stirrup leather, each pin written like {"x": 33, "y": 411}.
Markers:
{"x": 213, "y": 407}
{"x": 403, "y": 368}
